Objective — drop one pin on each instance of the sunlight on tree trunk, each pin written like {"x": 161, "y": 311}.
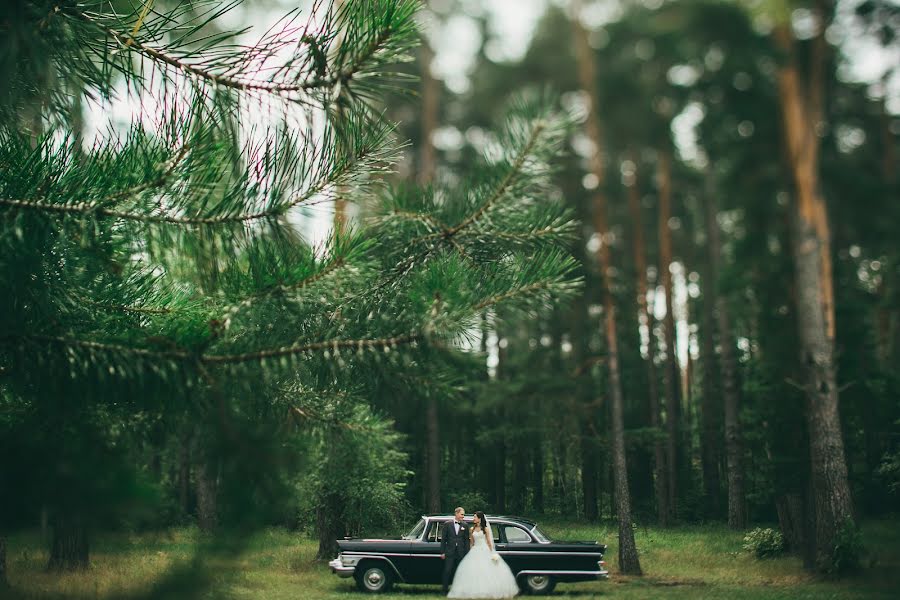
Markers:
{"x": 801, "y": 112}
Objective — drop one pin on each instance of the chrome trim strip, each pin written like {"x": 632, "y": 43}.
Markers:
{"x": 592, "y": 573}
{"x": 549, "y": 553}
{"x": 356, "y": 554}
{"x": 502, "y": 552}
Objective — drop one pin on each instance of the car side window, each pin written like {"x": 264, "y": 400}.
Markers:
{"x": 434, "y": 535}
{"x": 516, "y": 535}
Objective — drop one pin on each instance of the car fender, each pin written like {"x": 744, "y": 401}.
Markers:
{"x": 384, "y": 559}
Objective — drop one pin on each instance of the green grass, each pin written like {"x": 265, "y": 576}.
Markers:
{"x": 689, "y": 562}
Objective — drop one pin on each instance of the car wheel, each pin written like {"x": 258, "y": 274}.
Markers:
{"x": 373, "y": 577}
{"x": 538, "y": 584}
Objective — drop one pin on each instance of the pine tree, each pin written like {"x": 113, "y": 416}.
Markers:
{"x": 629, "y": 562}
{"x": 158, "y": 272}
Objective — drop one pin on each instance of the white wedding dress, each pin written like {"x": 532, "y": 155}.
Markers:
{"x": 480, "y": 576}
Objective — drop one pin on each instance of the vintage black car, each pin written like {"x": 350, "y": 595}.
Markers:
{"x": 537, "y": 562}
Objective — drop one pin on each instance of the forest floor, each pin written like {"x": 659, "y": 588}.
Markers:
{"x": 686, "y": 562}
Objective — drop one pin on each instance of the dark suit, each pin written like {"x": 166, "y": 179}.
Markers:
{"x": 454, "y": 547}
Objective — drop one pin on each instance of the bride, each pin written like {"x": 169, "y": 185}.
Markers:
{"x": 482, "y": 573}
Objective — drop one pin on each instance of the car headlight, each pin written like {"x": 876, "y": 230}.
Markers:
{"x": 348, "y": 561}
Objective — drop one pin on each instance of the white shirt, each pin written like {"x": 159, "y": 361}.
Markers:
{"x": 456, "y": 525}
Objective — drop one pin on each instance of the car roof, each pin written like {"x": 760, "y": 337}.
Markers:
{"x": 519, "y": 520}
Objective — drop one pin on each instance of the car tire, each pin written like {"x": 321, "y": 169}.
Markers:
{"x": 374, "y": 577}
{"x": 537, "y": 585}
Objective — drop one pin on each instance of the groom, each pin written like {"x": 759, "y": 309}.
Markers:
{"x": 454, "y": 545}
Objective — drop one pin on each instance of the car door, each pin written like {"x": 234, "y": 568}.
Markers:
{"x": 516, "y": 546}
{"x": 425, "y": 564}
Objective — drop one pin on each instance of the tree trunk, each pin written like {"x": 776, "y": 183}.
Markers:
{"x": 4, "y": 581}
{"x": 801, "y": 112}
{"x": 500, "y": 480}
{"x": 710, "y": 407}
{"x": 586, "y": 406}
{"x": 427, "y": 167}
{"x": 628, "y": 556}
{"x": 328, "y": 528}
{"x": 792, "y": 521}
{"x": 207, "y": 513}
{"x": 434, "y": 457}
{"x": 659, "y": 452}
{"x": 645, "y": 317}
{"x": 538, "y": 477}
{"x": 670, "y": 375}
{"x": 734, "y": 450}
{"x": 69, "y": 550}
{"x": 589, "y": 467}
{"x": 184, "y": 471}
{"x": 519, "y": 485}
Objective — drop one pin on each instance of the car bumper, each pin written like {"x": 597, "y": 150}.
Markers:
{"x": 338, "y": 568}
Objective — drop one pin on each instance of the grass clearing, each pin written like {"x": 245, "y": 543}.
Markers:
{"x": 695, "y": 562}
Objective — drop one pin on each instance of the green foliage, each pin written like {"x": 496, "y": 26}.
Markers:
{"x": 764, "y": 542}
{"x": 849, "y": 550}
{"x": 358, "y": 475}
{"x": 889, "y": 471}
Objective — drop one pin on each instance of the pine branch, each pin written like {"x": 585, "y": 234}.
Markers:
{"x": 335, "y": 345}
{"x": 307, "y": 281}
{"x": 518, "y": 292}
{"x": 370, "y": 150}
{"x": 319, "y": 81}
{"x": 426, "y": 219}
{"x": 134, "y": 309}
{"x": 504, "y": 186}
{"x": 332, "y": 345}
{"x": 309, "y": 415}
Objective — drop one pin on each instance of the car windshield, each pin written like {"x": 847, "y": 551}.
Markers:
{"x": 539, "y": 535}
{"x": 416, "y": 531}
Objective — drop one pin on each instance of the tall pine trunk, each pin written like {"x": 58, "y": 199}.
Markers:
{"x": 206, "y": 484}
{"x": 734, "y": 450}
{"x": 328, "y": 526}
{"x": 671, "y": 372}
{"x": 629, "y": 562}
{"x": 587, "y": 418}
{"x": 801, "y": 111}
{"x": 537, "y": 465}
{"x": 184, "y": 471}
{"x": 646, "y": 319}
{"x": 3, "y": 577}
{"x": 69, "y": 548}
{"x": 427, "y": 167}
{"x": 710, "y": 406}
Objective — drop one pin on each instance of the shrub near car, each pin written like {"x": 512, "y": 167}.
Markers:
{"x": 537, "y": 562}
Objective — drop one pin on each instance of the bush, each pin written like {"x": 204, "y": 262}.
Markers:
{"x": 764, "y": 543}
{"x": 848, "y": 550}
